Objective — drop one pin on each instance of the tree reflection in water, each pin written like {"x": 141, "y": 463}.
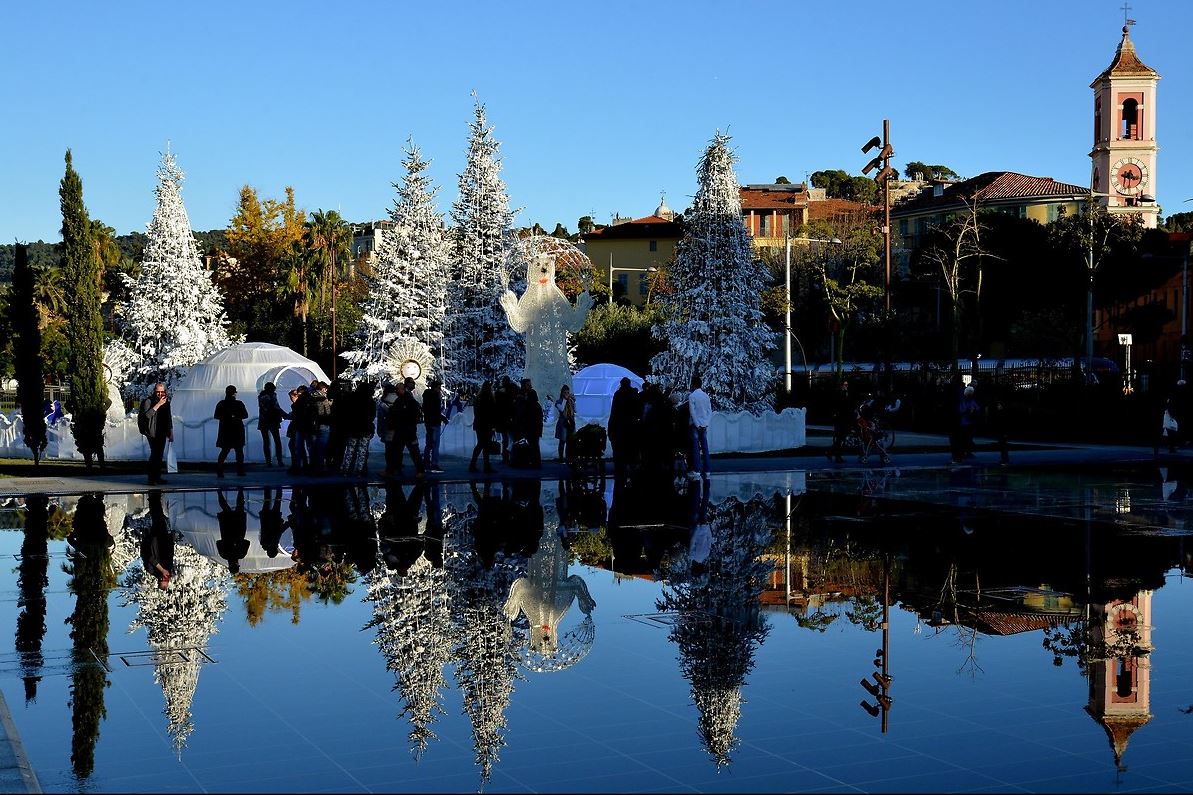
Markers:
{"x": 182, "y": 616}
{"x": 717, "y": 625}
{"x": 408, "y": 589}
{"x": 91, "y": 578}
{"x": 32, "y": 581}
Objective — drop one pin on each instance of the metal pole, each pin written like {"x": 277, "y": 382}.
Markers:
{"x": 886, "y": 206}
{"x": 610, "y": 277}
{"x": 1089, "y": 297}
{"x": 787, "y": 318}
{"x": 1184, "y": 308}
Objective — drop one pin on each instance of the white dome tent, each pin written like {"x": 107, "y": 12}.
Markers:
{"x": 248, "y": 366}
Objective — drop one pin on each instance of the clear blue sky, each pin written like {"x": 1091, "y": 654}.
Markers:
{"x": 598, "y": 106}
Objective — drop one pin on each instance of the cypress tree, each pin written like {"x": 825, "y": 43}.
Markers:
{"x": 88, "y": 401}
{"x": 28, "y": 365}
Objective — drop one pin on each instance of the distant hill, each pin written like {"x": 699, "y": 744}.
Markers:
{"x": 132, "y": 246}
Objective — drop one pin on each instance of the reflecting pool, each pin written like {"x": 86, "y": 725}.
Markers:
{"x": 888, "y": 631}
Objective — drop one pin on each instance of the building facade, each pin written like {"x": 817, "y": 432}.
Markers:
{"x": 630, "y": 255}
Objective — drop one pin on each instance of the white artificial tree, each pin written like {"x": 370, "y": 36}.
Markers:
{"x": 408, "y": 290}
{"x": 718, "y": 625}
{"x": 478, "y": 343}
{"x": 182, "y": 617}
{"x": 414, "y": 635}
{"x": 174, "y": 316}
{"x": 715, "y": 325}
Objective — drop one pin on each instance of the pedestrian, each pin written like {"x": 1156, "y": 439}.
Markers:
{"x": 528, "y": 422}
{"x": 157, "y": 545}
{"x": 844, "y": 421}
{"x": 341, "y": 421}
{"x": 484, "y": 417}
{"x": 362, "y": 410}
{"x": 700, "y": 416}
{"x": 967, "y": 420}
{"x": 318, "y": 427}
{"x": 269, "y": 422}
{"x": 233, "y": 545}
{"x": 433, "y": 424}
{"x": 1169, "y": 427}
{"x": 386, "y": 427}
{"x": 405, "y": 416}
{"x": 295, "y": 430}
{"x": 231, "y": 414}
{"x": 624, "y": 414}
{"x": 565, "y": 421}
{"x": 503, "y": 416}
{"x": 157, "y": 425}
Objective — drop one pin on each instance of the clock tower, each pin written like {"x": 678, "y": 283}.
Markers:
{"x": 1124, "y": 153}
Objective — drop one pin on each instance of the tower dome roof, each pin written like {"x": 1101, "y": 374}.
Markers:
{"x": 1126, "y": 62}
{"x": 663, "y": 211}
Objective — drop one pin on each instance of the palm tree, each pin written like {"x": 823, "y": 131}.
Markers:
{"x": 329, "y": 243}
{"x": 49, "y": 293}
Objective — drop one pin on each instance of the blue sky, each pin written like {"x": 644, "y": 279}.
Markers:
{"x": 598, "y": 106}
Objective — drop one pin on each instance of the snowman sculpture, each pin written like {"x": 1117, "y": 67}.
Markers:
{"x": 545, "y": 316}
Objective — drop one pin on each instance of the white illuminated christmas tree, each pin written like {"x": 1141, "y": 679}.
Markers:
{"x": 478, "y": 341}
{"x": 714, "y": 325}
{"x": 174, "y": 316}
{"x": 408, "y": 289}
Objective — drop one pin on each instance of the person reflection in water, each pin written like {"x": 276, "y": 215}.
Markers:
{"x": 272, "y": 523}
{"x": 546, "y": 594}
{"x": 157, "y": 545}
{"x": 700, "y": 541}
{"x": 233, "y": 545}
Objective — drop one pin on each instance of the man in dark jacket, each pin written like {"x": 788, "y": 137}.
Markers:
{"x": 404, "y": 416}
{"x": 320, "y": 426}
{"x": 231, "y": 414}
{"x": 528, "y": 422}
{"x": 433, "y": 423}
{"x": 624, "y": 414}
{"x": 155, "y": 422}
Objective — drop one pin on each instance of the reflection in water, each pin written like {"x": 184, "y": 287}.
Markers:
{"x": 716, "y": 601}
{"x": 408, "y": 589}
{"x": 480, "y": 573}
{"x": 92, "y": 577}
{"x": 180, "y": 616}
{"x": 32, "y": 581}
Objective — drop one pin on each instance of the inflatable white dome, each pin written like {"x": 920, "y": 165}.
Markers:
{"x": 248, "y": 366}
{"x": 594, "y": 387}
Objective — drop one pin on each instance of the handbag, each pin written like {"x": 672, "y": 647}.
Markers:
{"x": 171, "y": 459}
{"x": 1170, "y": 423}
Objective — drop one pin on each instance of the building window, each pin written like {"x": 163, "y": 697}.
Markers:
{"x": 903, "y": 228}
{"x": 654, "y": 245}
{"x": 643, "y": 283}
{"x": 1053, "y": 212}
{"x": 764, "y": 226}
{"x": 786, "y": 225}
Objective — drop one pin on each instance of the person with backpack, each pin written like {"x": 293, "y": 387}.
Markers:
{"x": 319, "y": 426}
{"x": 269, "y": 422}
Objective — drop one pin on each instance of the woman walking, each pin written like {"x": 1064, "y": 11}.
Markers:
{"x": 231, "y": 414}
{"x": 565, "y": 422}
{"x": 484, "y": 420}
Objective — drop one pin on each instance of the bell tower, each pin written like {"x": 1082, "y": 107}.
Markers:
{"x": 1120, "y": 669}
{"x": 1124, "y": 153}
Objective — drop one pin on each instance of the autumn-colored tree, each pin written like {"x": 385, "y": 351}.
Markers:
{"x": 264, "y": 241}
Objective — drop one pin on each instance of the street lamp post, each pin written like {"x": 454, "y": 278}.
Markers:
{"x": 789, "y": 334}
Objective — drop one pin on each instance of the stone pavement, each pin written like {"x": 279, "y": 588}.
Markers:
{"x": 16, "y": 774}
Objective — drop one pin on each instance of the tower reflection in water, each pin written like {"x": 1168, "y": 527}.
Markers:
{"x": 476, "y": 583}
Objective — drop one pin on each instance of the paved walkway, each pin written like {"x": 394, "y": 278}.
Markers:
{"x": 16, "y": 774}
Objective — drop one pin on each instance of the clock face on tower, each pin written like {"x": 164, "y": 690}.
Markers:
{"x": 1129, "y": 176}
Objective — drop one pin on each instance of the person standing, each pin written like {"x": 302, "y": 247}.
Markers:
{"x": 844, "y": 421}
{"x": 565, "y": 421}
{"x": 296, "y": 430}
{"x": 967, "y": 419}
{"x": 319, "y": 426}
{"x": 433, "y": 424}
{"x": 233, "y": 545}
{"x": 405, "y": 416}
{"x": 503, "y": 417}
{"x": 624, "y": 413}
{"x": 231, "y": 414}
{"x": 269, "y": 422}
{"x": 157, "y": 545}
{"x": 157, "y": 425}
{"x": 700, "y": 415}
{"x": 386, "y": 425}
{"x": 484, "y": 411}
{"x": 528, "y": 422}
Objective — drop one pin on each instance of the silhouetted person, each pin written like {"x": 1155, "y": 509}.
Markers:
{"x": 484, "y": 422}
{"x": 231, "y": 414}
{"x": 269, "y": 422}
{"x": 272, "y": 523}
{"x": 157, "y": 545}
{"x": 624, "y": 413}
{"x": 503, "y": 417}
{"x": 233, "y": 545}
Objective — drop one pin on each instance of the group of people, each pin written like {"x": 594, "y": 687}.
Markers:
{"x": 867, "y": 417}
{"x": 652, "y": 429}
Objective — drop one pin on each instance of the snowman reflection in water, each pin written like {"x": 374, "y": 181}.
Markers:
{"x": 544, "y": 596}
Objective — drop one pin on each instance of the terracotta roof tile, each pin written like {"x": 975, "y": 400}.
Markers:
{"x": 651, "y": 226}
{"x": 766, "y": 199}
{"x": 991, "y": 186}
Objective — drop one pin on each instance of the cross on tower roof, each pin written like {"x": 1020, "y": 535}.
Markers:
{"x": 1126, "y": 9}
